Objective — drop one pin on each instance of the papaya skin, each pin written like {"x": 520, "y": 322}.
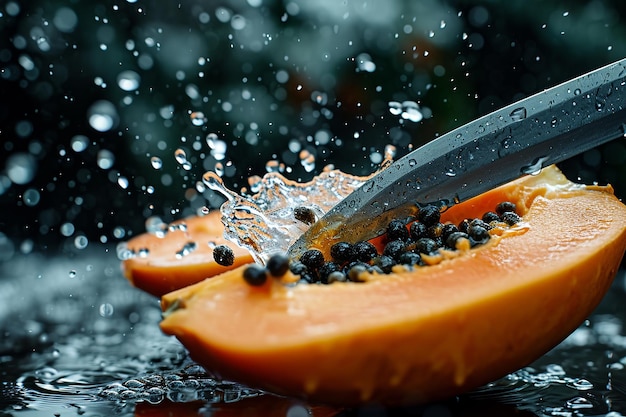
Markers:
{"x": 161, "y": 271}
{"x": 417, "y": 336}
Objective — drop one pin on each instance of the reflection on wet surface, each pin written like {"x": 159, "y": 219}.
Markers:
{"x": 78, "y": 340}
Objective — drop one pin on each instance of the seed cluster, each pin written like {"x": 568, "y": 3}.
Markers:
{"x": 413, "y": 245}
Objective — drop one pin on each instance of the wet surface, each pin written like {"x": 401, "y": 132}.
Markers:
{"x": 79, "y": 340}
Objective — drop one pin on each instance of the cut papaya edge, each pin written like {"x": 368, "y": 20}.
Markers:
{"x": 420, "y": 335}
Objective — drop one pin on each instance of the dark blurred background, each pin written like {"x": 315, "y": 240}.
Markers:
{"x": 97, "y": 97}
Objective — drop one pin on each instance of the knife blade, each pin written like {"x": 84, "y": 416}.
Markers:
{"x": 518, "y": 139}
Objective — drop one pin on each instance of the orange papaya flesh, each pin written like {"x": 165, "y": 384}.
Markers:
{"x": 161, "y": 270}
{"x": 418, "y": 335}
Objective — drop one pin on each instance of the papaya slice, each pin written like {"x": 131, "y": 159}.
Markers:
{"x": 181, "y": 257}
{"x": 417, "y": 335}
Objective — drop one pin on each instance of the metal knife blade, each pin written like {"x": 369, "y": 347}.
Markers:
{"x": 521, "y": 138}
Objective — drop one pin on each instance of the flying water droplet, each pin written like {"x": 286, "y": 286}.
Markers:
{"x": 364, "y": 63}
{"x": 307, "y": 160}
{"x": 21, "y": 167}
{"x": 197, "y": 118}
{"x": 81, "y": 242}
{"x": 319, "y": 97}
{"x": 31, "y": 197}
{"x": 156, "y": 162}
{"x": 123, "y": 182}
{"x": 274, "y": 166}
{"x": 105, "y": 159}
{"x": 411, "y": 111}
{"x": 156, "y": 226}
{"x": 395, "y": 108}
{"x": 102, "y": 116}
{"x": 180, "y": 155}
{"x": 128, "y": 80}
{"x": 219, "y": 169}
{"x": 218, "y": 146}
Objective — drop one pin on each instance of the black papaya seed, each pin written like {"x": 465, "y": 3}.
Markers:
{"x": 255, "y": 275}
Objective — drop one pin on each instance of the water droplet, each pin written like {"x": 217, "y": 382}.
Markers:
{"x": 534, "y": 167}
{"x": 219, "y": 169}
{"x": 197, "y": 118}
{"x": 555, "y": 369}
{"x": 81, "y": 242}
{"x": 67, "y": 229}
{"x": 319, "y": 97}
{"x": 155, "y": 225}
{"x": 578, "y": 403}
{"x": 186, "y": 249}
{"x": 411, "y": 111}
{"x": 364, "y": 63}
{"x": 156, "y": 162}
{"x": 180, "y": 155}
{"x": 102, "y": 116}
{"x": 274, "y": 166}
{"x": 395, "y": 108}
{"x": 218, "y": 146}
{"x": 128, "y": 80}
{"x": 79, "y": 143}
{"x": 450, "y": 173}
{"x": 600, "y": 103}
{"x": 518, "y": 113}
{"x": 307, "y": 160}
{"x": 21, "y": 167}
{"x": 105, "y": 159}
{"x": 72, "y": 274}
{"x": 31, "y": 197}
{"x": 577, "y": 92}
{"x": 123, "y": 182}
{"x": 554, "y": 122}
{"x": 106, "y": 310}
{"x": 390, "y": 152}
{"x": 298, "y": 410}
{"x": 581, "y": 384}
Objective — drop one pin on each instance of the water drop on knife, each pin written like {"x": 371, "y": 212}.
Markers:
{"x": 519, "y": 113}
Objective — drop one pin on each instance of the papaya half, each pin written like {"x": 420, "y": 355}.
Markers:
{"x": 161, "y": 264}
{"x": 417, "y": 334}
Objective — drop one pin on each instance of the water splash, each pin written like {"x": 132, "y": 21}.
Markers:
{"x": 266, "y": 222}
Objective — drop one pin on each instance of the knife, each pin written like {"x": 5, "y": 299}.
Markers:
{"x": 519, "y": 139}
